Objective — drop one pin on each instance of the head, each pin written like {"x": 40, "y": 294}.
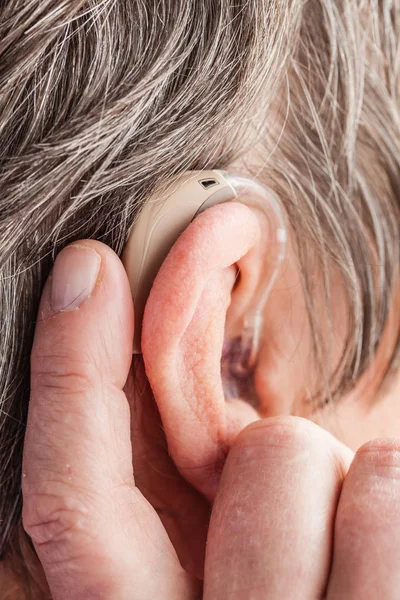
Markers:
{"x": 103, "y": 101}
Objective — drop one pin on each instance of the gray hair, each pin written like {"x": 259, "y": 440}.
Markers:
{"x": 100, "y": 101}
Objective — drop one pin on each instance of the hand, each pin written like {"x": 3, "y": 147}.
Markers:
{"x": 276, "y": 522}
{"x": 292, "y": 521}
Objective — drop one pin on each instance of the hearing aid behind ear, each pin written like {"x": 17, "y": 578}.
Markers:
{"x": 167, "y": 214}
{"x": 161, "y": 221}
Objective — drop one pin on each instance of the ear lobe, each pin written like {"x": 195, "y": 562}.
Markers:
{"x": 182, "y": 339}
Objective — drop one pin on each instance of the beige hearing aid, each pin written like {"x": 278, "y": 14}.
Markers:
{"x": 160, "y": 223}
{"x": 167, "y": 214}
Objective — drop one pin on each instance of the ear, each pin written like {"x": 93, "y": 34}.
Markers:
{"x": 197, "y": 299}
{"x": 183, "y": 335}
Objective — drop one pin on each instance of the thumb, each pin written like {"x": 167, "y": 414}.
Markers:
{"x": 94, "y": 533}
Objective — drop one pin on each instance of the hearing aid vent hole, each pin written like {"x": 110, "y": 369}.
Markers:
{"x": 207, "y": 183}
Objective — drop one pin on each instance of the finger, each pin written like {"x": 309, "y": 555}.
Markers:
{"x": 271, "y": 528}
{"x": 366, "y": 560}
{"x": 94, "y": 533}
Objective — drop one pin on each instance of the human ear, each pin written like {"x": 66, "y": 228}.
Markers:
{"x": 184, "y": 327}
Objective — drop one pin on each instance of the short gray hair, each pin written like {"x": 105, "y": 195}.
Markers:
{"x": 100, "y": 101}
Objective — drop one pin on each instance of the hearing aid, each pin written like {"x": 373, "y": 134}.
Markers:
{"x": 169, "y": 211}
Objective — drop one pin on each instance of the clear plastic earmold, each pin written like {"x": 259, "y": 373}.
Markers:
{"x": 240, "y": 354}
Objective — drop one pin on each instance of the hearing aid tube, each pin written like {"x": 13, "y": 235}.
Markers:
{"x": 253, "y": 194}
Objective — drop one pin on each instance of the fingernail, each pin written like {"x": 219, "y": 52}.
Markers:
{"x": 75, "y": 274}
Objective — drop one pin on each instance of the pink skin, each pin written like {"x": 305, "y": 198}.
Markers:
{"x": 277, "y": 521}
{"x": 175, "y": 332}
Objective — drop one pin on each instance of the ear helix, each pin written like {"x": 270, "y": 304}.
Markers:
{"x": 166, "y": 215}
